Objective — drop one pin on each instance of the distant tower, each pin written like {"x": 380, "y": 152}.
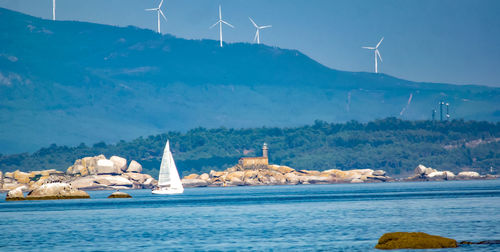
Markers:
{"x": 447, "y": 111}
{"x": 54, "y": 10}
{"x": 264, "y": 150}
{"x": 441, "y": 103}
{"x": 433, "y": 114}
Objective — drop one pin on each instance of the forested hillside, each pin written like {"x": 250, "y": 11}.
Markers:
{"x": 394, "y": 145}
{"x": 68, "y": 82}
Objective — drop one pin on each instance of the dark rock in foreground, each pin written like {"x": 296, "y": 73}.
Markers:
{"x": 414, "y": 240}
{"x": 481, "y": 242}
{"x": 119, "y": 195}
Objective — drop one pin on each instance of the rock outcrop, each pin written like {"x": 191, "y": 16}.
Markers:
{"x": 239, "y": 175}
{"x": 86, "y": 183}
{"x": 52, "y": 191}
{"x": 469, "y": 175}
{"x": 106, "y": 166}
{"x": 134, "y": 167}
{"x": 109, "y": 182}
{"x": 16, "y": 194}
{"x": 88, "y": 173}
{"x": 85, "y": 166}
{"x": 119, "y": 163}
{"x": 417, "y": 240}
{"x": 422, "y": 173}
{"x": 194, "y": 183}
{"x": 108, "y": 174}
{"x": 118, "y": 194}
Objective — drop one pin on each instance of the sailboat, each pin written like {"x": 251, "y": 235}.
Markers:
{"x": 169, "y": 181}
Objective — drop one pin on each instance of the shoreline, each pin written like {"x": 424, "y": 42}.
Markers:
{"x": 402, "y": 180}
{"x": 99, "y": 173}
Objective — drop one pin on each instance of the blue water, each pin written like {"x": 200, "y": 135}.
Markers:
{"x": 341, "y": 217}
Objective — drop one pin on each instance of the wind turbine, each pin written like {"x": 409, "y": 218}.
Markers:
{"x": 159, "y": 12}
{"x": 257, "y": 34}
{"x": 54, "y": 10}
{"x": 220, "y": 22}
{"x": 377, "y": 53}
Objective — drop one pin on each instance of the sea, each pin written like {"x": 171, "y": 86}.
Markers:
{"x": 338, "y": 217}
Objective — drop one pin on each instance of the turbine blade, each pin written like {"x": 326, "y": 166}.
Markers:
{"x": 216, "y": 23}
{"x": 159, "y": 6}
{"x": 227, "y": 23}
{"x": 380, "y": 57}
{"x": 152, "y": 9}
{"x": 366, "y": 47}
{"x": 254, "y": 24}
{"x": 161, "y": 12}
{"x": 265, "y": 26}
{"x": 255, "y": 37}
{"x": 379, "y": 42}
{"x": 220, "y": 13}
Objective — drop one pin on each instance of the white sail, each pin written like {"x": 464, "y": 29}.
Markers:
{"x": 169, "y": 181}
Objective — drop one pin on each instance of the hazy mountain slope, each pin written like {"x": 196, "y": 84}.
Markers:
{"x": 70, "y": 82}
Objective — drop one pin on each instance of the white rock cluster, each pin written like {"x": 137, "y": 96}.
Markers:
{"x": 97, "y": 173}
{"x": 426, "y": 173}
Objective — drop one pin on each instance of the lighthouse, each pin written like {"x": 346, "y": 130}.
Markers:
{"x": 256, "y": 161}
{"x": 264, "y": 150}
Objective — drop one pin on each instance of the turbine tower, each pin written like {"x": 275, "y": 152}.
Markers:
{"x": 447, "y": 111}
{"x": 159, "y": 12}
{"x": 220, "y": 22}
{"x": 257, "y": 35}
{"x": 377, "y": 53}
{"x": 54, "y": 10}
{"x": 441, "y": 103}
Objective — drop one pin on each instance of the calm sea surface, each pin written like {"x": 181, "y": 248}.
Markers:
{"x": 342, "y": 217}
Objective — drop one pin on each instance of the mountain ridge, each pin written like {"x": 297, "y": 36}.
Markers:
{"x": 68, "y": 82}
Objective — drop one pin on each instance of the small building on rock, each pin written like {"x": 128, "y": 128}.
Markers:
{"x": 256, "y": 161}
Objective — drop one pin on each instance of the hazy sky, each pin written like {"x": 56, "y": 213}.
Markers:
{"x": 452, "y": 41}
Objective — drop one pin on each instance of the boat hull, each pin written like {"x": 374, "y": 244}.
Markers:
{"x": 168, "y": 191}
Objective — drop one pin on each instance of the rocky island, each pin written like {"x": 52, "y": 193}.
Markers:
{"x": 422, "y": 173}
{"x": 253, "y": 175}
{"x": 88, "y": 173}
{"x": 101, "y": 173}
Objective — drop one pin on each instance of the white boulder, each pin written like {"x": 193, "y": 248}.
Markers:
{"x": 119, "y": 162}
{"x": 106, "y": 166}
{"x": 194, "y": 182}
{"x": 56, "y": 191}
{"x": 420, "y": 170}
{"x": 16, "y": 194}
{"x": 379, "y": 173}
{"x": 87, "y": 182}
{"x": 134, "y": 167}
{"x": 313, "y": 179}
{"x": 448, "y": 174}
{"x": 435, "y": 174}
{"x": 109, "y": 180}
{"x": 469, "y": 174}
{"x": 138, "y": 177}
